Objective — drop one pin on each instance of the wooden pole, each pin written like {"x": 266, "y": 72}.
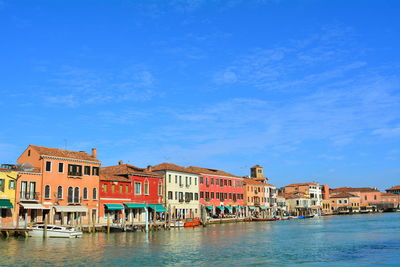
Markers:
{"x": 108, "y": 222}
{"x": 94, "y": 221}
{"x": 45, "y": 226}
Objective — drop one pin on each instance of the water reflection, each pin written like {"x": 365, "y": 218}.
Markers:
{"x": 349, "y": 240}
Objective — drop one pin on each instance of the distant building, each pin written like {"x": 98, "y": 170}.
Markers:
{"x": 8, "y": 180}
{"x": 345, "y": 202}
{"x": 367, "y": 195}
{"x": 298, "y": 204}
{"x": 270, "y": 191}
{"x": 311, "y": 191}
{"x": 254, "y": 197}
{"x": 394, "y": 190}
{"x": 391, "y": 200}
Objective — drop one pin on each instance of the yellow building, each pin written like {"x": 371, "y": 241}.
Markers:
{"x": 8, "y": 181}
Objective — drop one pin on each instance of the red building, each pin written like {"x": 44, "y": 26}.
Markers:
{"x": 220, "y": 192}
{"x": 126, "y": 190}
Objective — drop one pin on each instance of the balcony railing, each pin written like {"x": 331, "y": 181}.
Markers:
{"x": 29, "y": 196}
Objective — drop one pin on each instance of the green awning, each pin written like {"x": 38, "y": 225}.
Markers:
{"x": 220, "y": 207}
{"x": 251, "y": 208}
{"x": 114, "y": 206}
{"x": 263, "y": 208}
{"x": 135, "y": 205}
{"x": 5, "y": 204}
{"x": 209, "y": 207}
{"x": 228, "y": 208}
{"x": 157, "y": 207}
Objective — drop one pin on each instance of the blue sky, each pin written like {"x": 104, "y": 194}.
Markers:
{"x": 308, "y": 89}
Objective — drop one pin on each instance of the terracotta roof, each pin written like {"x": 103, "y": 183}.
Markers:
{"x": 354, "y": 189}
{"x": 171, "y": 167}
{"x": 295, "y": 195}
{"x": 389, "y": 195}
{"x": 343, "y": 195}
{"x": 256, "y": 166}
{"x": 118, "y": 178}
{"x": 397, "y": 187}
{"x": 55, "y": 152}
{"x": 301, "y": 184}
{"x": 253, "y": 182}
{"x": 211, "y": 171}
{"x": 126, "y": 169}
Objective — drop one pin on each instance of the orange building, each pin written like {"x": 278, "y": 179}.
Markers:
{"x": 367, "y": 195}
{"x": 61, "y": 185}
{"x": 391, "y": 199}
{"x": 254, "y": 196}
{"x": 394, "y": 190}
{"x": 345, "y": 202}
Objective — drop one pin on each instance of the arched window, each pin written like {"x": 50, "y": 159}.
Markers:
{"x": 76, "y": 195}
{"x": 70, "y": 195}
{"x": 60, "y": 192}
{"x": 160, "y": 189}
{"x": 94, "y": 193}
{"x": 47, "y": 192}
{"x": 85, "y": 193}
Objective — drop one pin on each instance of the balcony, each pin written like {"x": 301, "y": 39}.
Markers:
{"x": 29, "y": 196}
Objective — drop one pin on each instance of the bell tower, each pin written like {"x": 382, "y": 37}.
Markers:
{"x": 257, "y": 173}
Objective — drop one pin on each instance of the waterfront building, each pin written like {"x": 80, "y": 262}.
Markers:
{"x": 270, "y": 191}
{"x": 281, "y": 208}
{"x": 298, "y": 204}
{"x": 312, "y": 191}
{"x": 221, "y": 193}
{"x": 126, "y": 191}
{"x": 326, "y": 202}
{"x": 390, "y": 200}
{"x": 60, "y": 185}
{"x": 254, "y": 197}
{"x": 394, "y": 190}
{"x": 181, "y": 187}
{"x": 8, "y": 178}
{"x": 368, "y": 196}
{"x": 345, "y": 202}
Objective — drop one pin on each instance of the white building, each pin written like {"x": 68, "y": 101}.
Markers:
{"x": 181, "y": 186}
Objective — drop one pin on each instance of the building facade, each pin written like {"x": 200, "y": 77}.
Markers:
{"x": 394, "y": 190}
{"x": 221, "y": 193}
{"x": 181, "y": 187}
{"x": 368, "y": 196}
{"x": 312, "y": 191}
{"x": 60, "y": 185}
{"x": 8, "y": 180}
{"x": 128, "y": 192}
{"x": 345, "y": 202}
{"x": 254, "y": 198}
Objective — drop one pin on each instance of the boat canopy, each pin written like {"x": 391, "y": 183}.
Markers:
{"x": 5, "y": 204}
{"x": 114, "y": 206}
{"x": 33, "y": 206}
{"x": 157, "y": 207}
{"x": 209, "y": 207}
{"x": 71, "y": 209}
{"x": 135, "y": 205}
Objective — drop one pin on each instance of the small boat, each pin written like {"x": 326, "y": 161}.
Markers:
{"x": 178, "y": 224}
{"x": 192, "y": 223}
{"x": 37, "y": 230}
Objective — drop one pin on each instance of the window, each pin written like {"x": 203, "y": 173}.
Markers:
{"x": 186, "y": 181}
{"x": 201, "y": 180}
{"x": 48, "y": 166}
{"x": 126, "y": 189}
{"x": 146, "y": 188}
{"x": 70, "y": 195}
{"x": 113, "y": 188}
{"x": 217, "y": 195}
{"x": 61, "y": 167}
{"x": 60, "y": 192}
{"x": 365, "y": 197}
{"x": 176, "y": 179}
{"x": 345, "y": 201}
{"x": 74, "y": 170}
{"x": 225, "y": 182}
{"x": 76, "y": 195}
{"x": 160, "y": 189}
{"x": 212, "y": 181}
{"x": 120, "y": 188}
{"x": 138, "y": 188}
{"x": 2, "y": 184}
{"x": 201, "y": 194}
{"x": 180, "y": 180}
{"x": 47, "y": 192}
{"x": 217, "y": 181}
{"x": 176, "y": 195}
{"x": 29, "y": 153}
{"x": 374, "y": 197}
{"x": 87, "y": 170}
{"x": 190, "y": 180}
{"x": 94, "y": 193}
{"x": 230, "y": 182}
{"x": 195, "y": 180}
{"x": 105, "y": 188}
{"x": 196, "y": 196}
{"x": 169, "y": 178}
{"x": 95, "y": 171}
{"x": 11, "y": 185}
{"x": 169, "y": 194}
{"x": 85, "y": 193}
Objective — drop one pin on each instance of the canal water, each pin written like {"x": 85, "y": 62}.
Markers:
{"x": 359, "y": 240}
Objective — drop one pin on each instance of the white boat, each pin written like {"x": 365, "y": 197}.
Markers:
{"x": 178, "y": 224}
{"x": 37, "y": 230}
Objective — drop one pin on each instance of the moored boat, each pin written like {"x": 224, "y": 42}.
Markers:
{"x": 38, "y": 230}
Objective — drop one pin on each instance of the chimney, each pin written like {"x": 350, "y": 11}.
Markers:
{"x": 149, "y": 168}
{"x": 120, "y": 162}
{"x": 94, "y": 153}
